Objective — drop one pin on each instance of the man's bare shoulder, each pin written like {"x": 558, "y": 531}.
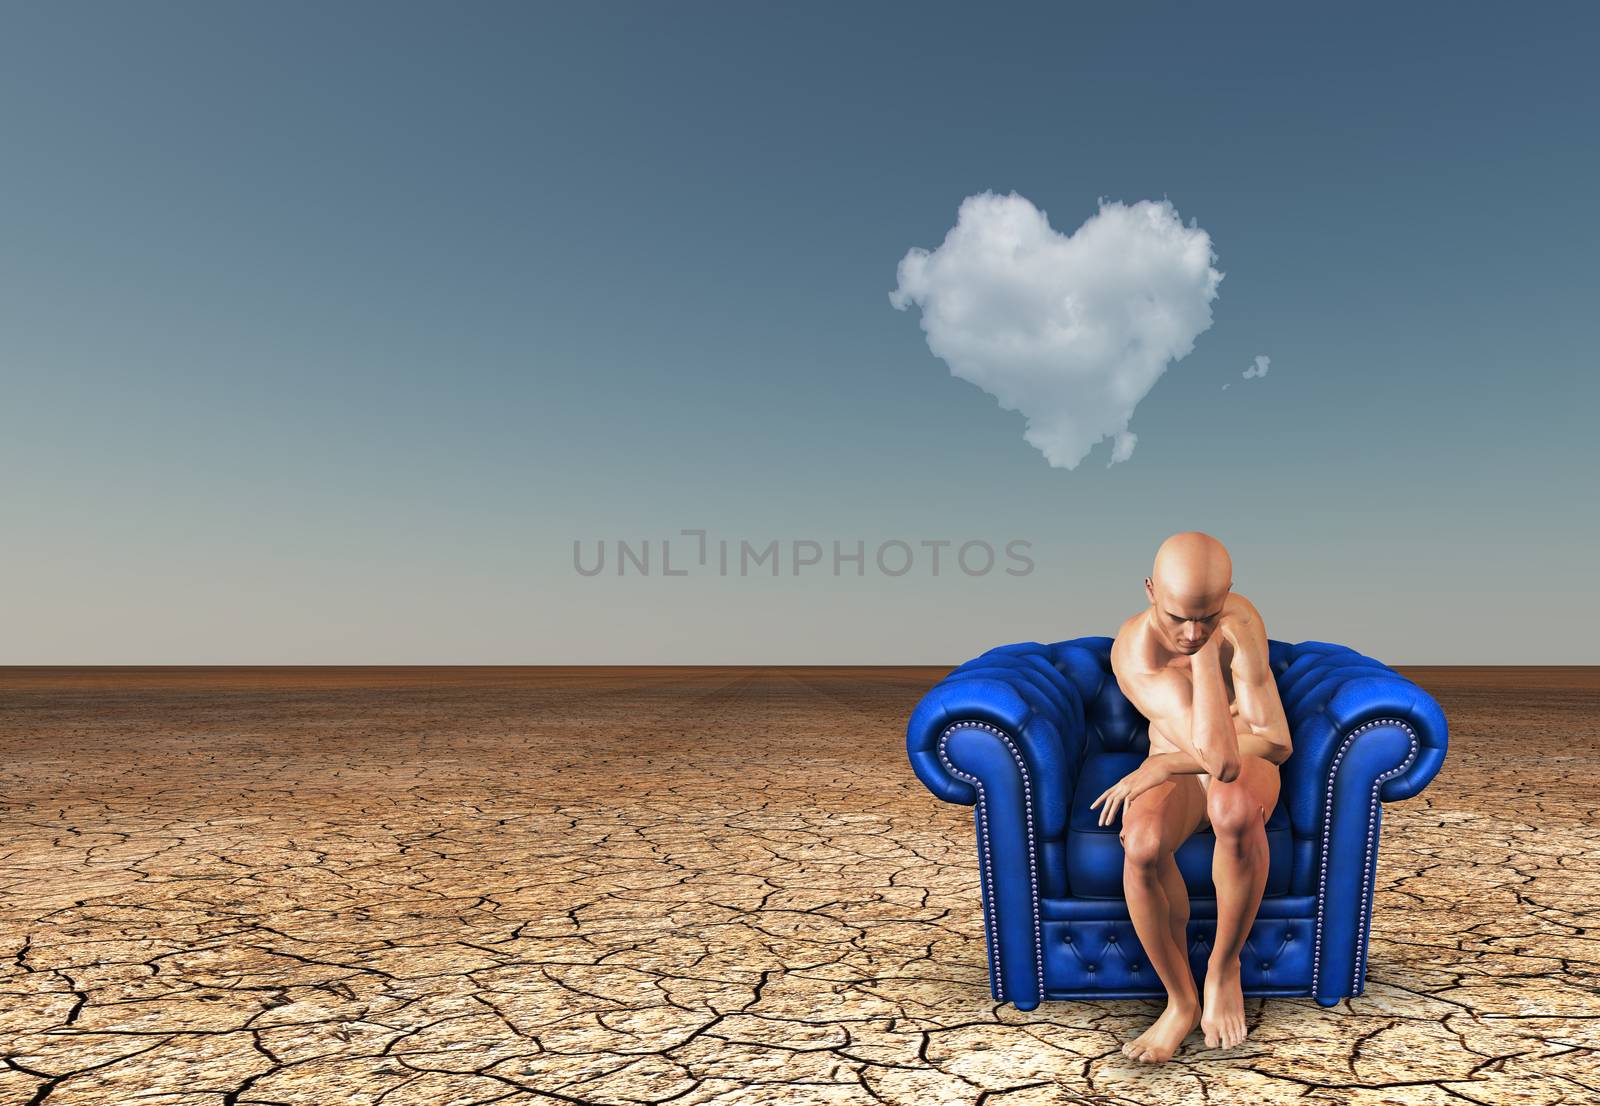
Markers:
{"x": 1246, "y": 627}
{"x": 1132, "y": 660}
{"x": 1251, "y": 651}
{"x": 1240, "y": 609}
{"x": 1126, "y": 643}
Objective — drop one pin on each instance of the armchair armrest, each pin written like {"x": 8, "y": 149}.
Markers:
{"x": 1363, "y": 734}
{"x": 1015, "y": 689}
{"x": 1328, "y": 693}
{"x": 1004, "y": 733}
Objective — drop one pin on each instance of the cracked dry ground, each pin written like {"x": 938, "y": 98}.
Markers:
{"x": 691, "y": 886}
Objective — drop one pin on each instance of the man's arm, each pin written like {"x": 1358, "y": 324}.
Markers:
{"x": 1167, "y": 699}
{"x": 1255, "y": 688}
{"x": 1216, "y": 743}
{"x": 1250, "y": 744}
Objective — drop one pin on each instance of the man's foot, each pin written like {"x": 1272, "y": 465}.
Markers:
{"x": 1223, "y": 1019}
{"x": 1157, "y": 1044}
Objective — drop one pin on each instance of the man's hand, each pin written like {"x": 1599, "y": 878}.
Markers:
{"x": 1213, "y": 645}
{"x": 1149, "y": 774}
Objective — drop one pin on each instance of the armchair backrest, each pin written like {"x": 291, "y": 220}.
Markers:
{"x": 1328, "y": 692}
{"x": 1112, "y": 722}
{"x": 1062, "y": 704}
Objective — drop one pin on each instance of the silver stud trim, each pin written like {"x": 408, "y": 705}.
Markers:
{"x": 987, "y": 862}
{"x": 1366, "y": 870}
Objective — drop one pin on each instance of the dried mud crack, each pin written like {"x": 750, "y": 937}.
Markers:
{"x": 692, "y": 886}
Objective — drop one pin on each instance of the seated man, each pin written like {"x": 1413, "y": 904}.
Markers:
{"x": 1195, "y": 664}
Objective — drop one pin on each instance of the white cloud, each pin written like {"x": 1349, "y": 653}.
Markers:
{"x": 1257, "y": 369}
{"x": 1070, "y": 330}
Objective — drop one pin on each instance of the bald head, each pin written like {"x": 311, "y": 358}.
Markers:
{"x": 1193, "y": 572}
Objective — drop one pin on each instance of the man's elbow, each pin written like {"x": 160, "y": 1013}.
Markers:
{"x": 1282, "y": 747}
{"x": 1225, "y": 769}
{"x": 1267, "y": 745}
{"x": 1276, "y": 751}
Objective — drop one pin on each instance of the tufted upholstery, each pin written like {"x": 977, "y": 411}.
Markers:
{"x": 1029, "y": 734}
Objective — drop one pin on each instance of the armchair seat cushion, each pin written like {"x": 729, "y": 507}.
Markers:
{"x": 1094, "y": 853}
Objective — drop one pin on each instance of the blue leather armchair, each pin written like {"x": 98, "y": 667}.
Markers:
{"x": 1030, "y": 734}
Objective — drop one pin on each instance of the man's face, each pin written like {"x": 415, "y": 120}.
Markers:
{"x": 1186, "y": 623}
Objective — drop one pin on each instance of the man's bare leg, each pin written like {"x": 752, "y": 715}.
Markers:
{"x": 1238, "y": 811}
{"x": 1177, "y": 904}
{"x": 1154, "y": 824}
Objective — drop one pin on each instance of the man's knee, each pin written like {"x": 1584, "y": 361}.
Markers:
{"x": 1233, "y": 811}
{"x": 1141, "y": 844}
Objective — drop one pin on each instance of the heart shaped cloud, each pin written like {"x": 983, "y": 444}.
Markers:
{"x": 1070, "y": 330}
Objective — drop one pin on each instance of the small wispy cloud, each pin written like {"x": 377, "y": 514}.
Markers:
{"x": 1070, "y": 330}
{"x": 1257, "y": 369}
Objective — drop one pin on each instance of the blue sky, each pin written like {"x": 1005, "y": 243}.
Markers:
{"x": 327, "y": 330}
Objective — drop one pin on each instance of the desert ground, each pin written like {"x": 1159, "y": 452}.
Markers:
{"x": 689, "y": 886}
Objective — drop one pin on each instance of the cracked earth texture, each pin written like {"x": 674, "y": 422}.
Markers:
{"x": 714, "y": 885}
